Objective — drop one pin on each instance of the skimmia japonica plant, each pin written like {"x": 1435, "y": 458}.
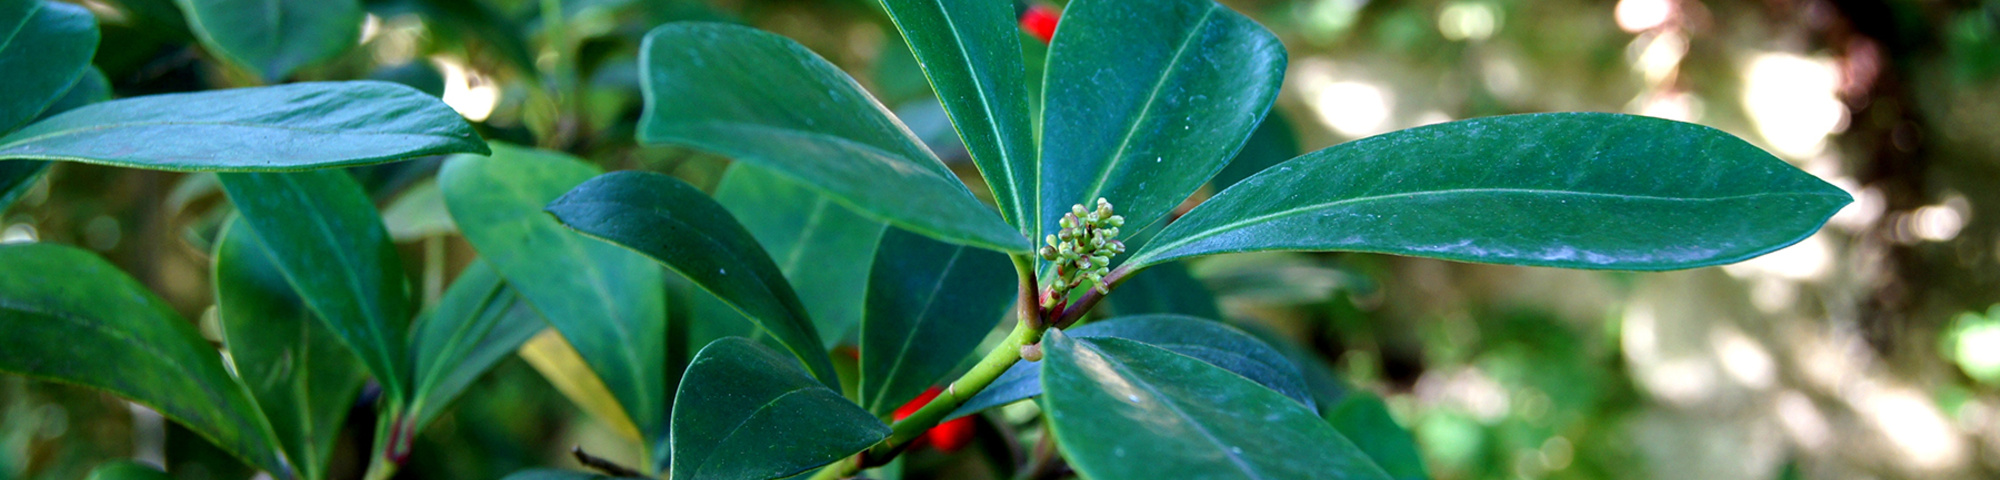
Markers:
{"x": 836, "y": 230}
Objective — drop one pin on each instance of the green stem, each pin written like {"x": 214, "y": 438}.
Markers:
{"x": 392, "y": 444}
{"x": 1027, "y": 331}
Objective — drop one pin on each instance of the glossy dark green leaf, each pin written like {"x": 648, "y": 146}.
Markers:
{"x": 746, "y": 412}
{"x": 929, "y": 304}
{"x": 971, "y": 51}
{"x": 762, "y": 99}
{"x": 1573, "y": 190}
{"x": 607, "y": 301}
{"x": 823, "y": 248}
{"x": 1120, "y": 409}
{"x": 83, "y": 321}
{"x": 1132, "y": 85}
{"x": 303, "y": 379}
{"x": 551, "y": 474}
{"x": 1164, "y": 288}
{"x": 1363, "y": 418}
{"x": 479, "y": 322}
{"x": 126, "y": 470}
{"x": 272, "y": 38}
{"x": 334, "y": 251}
{"x": 17, "y": 176}
{"x": 1273, "y": 142}
{"x": 679, "y": 226}
{"x": 282, "y": 128}
{"x": 48, "y": 47}
{"x": 1205, "y": 340}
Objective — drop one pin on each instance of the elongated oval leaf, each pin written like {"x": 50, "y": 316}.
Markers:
{"x": 126, "y": 470}
{"x": 303, "y": 379}
{"x": 680, "y": 227}
{"x": 48, "y": 48}
{"x": 558, "y": 362}
{"x": 272, "y": 38}
{"x": 1121, "y": 409}
{"x": 971, "y": 52}
{"x": 745, "y": 412}
{"x": 608, "y": 302}
{"x": 337, "y": 255}
{"x": 823, "y": 248}
{"x": 763, "y": 99}
{"x": 1572, "y": 190}
{"x": 16, "y": 177}
{"x": 478, "y": 322}
{"x": 929, "y": 304}
{"x": 291, "y": 127}
{"x": 1205, "y": 340}
{"x": 82, "y": 321}
{"x": 1147, "y": 100}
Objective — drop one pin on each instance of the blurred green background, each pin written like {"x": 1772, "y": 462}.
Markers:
{"x": 1866, "y": 351}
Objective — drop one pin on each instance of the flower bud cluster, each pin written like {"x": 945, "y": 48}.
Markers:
{"x": 1082, "y": 250}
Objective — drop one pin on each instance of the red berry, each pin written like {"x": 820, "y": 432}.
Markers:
{"x": 1040, "y": 21}
{"x": 948, "y": 436}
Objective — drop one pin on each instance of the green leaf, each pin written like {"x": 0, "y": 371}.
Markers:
{"x": 338, "y": 257}
{"x": 478, "y": 323}
{"x": 1363, "y": 418}
{"x": 1134, "y": 84}
{"x": 83, "y": 321}
{"x": 929, "y": 304}
{"x": 746, "y": 412}
{"x": 1120, "y": 409}
{"x": 272, "y": 38}
{"x": 48, "y": 48}
{"x": 17, "y": 177}
{"x": 303, "y": 380}
{"x": 1572, "y": 190}
{"x": 678, "y": 226}
{"x": 291, "y": 127}
{"x": 418, "y": 213}
{"x": 608, "y": 302}
{"x": 126, "y": 470}
{"x": 1165, "y": 288}
{"x": 551, "y": 474}
{"x": 1205, "y": 340}
{"x": 763, "y": 99}
{"x": 971, "y": 51}
{"x": 1273, "y": 142}
{"x": 823, "y": 248}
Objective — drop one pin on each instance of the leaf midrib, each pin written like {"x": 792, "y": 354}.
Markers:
{"x": 1007, "y": 160}
{"x": 1151, "y": 252}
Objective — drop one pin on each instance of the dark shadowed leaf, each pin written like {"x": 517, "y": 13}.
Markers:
{"x": 550, "y": 474}
{"x": 1120, "y": 409}
{"x": 478, "y": 323}
{"x": 971, "y": 51}
{"x": 1573, "y": 190}
{"x": 929, "y": 304}
{"x": 1273, "y": 142}
{"x": 303, "y": 379}
{"x": 1205, "y": 340}
{"x": 823, "y": 248}
{"x": 85, "y": 322}
{"x": 1147, "y": 100}
{"x": 291, "y": 127}
{"x": 747, "y": 412}
{"x": 679, "y": 226}
{"x": 1164, "y": 288}
{"x": 766, "y": 100}
{"x": 48, "y": 48}
{"x": 1363, "y": 418}
{"x": 336, "y": 254}
{"x": 126, "y": 470}
{"x": 607, "y": 301}
{"x": 272, "y": 38}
